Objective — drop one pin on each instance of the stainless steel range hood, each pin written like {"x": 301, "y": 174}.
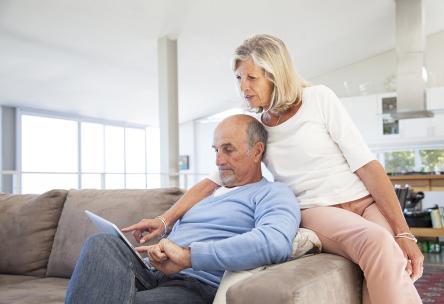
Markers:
{"x": 410, "y": 43}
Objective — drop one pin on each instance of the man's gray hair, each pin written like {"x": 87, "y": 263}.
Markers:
{"x": 256, "y": 133}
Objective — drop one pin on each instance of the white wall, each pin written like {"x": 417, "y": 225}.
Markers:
{"x": 376, "y": 75}
{"x": 196, "y": 140}
{"x": 366, "y": 112}
{"x": 186, "y": 143}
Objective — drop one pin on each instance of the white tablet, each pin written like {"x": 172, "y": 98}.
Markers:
{"x": 105, "y": 226}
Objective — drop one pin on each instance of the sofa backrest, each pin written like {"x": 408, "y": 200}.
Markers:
{"x": 122, "y": 207}
{"x": 27, "y": 227}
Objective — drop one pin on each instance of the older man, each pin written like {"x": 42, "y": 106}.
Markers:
{"x": 247, "y": 223}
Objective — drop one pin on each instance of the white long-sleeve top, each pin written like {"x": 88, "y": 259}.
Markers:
{"x": 317, "y": 151}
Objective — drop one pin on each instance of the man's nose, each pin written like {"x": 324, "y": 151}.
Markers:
{"x": 220, "y": 159}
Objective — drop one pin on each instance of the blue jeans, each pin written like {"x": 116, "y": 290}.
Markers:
{"x": 108, "y": 272}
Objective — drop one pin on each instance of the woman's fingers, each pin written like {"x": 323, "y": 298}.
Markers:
{"x": 154, "y": 227}
{"x": 417, "y": 269}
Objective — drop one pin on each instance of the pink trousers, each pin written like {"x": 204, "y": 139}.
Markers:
{"x": 359, "y": 232}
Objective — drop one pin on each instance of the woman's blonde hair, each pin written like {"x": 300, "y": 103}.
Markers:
{"x": 271, "y": 54}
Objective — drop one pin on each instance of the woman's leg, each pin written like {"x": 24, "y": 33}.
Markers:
{"x": 367, "y": 244}
{"x": 106, "y": 272}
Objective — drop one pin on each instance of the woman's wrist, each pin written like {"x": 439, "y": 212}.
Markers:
{"x": 406, "y": 235}
{"x": 169, "y": 221}
{"x": 165, "y": 226}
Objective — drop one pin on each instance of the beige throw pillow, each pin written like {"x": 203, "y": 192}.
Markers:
{"x": 28, "y": 224}
{"x": 305, "y": 242}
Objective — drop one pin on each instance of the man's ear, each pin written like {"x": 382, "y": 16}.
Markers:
{"x": 259, "y": 149}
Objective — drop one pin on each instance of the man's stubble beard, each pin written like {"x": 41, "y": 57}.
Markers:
{"x": 227, "y": 181}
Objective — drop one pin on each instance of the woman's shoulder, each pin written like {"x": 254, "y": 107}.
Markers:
{"x": 317, "y": 90}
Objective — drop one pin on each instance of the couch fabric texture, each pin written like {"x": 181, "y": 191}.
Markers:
{"x": 28, "y": 224}
{"x": 41, "y": 237}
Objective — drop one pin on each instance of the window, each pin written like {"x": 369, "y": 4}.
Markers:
{"x": 419, "y": 160}
{"x": 432, "y": 160}
{"x": 48, "y": 145}
{"x": 400, "y": 161}
{"x": 58, "y": 152}
{"x": 153, "y": 157}
{"x": 114, "y": 157}
{"x": 389, "y": 125}
{"x": 135, "y": 158}
{"x": 92, "y": 155}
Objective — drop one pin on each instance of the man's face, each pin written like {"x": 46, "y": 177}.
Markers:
{"x": 237, "y": 165}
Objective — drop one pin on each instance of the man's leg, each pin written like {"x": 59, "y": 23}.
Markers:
{"x": 106, "y": 272}
{"x": 185, "y": 290}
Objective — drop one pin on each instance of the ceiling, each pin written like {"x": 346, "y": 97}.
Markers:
{"x": 99, "y": 58}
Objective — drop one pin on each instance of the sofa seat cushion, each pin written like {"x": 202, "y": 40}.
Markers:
{"x": 321, "y": 278}
{"x": 10, "y": 279}
{"x": 305, "y": 242}
{"x": 28, "y": 225}
{"x": 122, "y": 207}
{"x": 46, "y": 290}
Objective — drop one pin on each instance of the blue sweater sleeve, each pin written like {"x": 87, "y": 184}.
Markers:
{"x": 277, "y": 217}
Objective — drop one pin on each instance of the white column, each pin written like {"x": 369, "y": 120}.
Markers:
{"x": 8, "y": 147}
{"x": 168, "y": 111}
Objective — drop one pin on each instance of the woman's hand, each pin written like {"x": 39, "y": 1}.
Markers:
{"x": 414, "y": 257}
{"x": 154, "y": 227}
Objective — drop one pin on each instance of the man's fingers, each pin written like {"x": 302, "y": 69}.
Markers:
{"x": 158, "y": 255}
{"x": 155, "y": 254}
{"x": 142, "y": 249}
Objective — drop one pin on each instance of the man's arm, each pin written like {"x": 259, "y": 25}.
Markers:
{"x": 277, "y": 218}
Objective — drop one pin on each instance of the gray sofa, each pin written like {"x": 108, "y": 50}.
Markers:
{"x": 41, "y": 237}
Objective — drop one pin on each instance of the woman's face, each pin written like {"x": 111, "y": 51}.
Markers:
{"x": 255, "y": 88}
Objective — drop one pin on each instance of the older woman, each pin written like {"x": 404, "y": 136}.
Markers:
{"x": 315, "y": 148}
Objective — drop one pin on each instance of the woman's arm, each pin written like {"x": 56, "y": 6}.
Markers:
{"x": 378, "y": 184}
{"x": 195, "y": 194}
{"x": 155, "y": 228}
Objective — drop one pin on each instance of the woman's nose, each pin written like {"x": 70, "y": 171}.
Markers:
{"x": 243, "y": 85}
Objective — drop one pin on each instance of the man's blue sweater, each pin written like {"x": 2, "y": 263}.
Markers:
{"x": 250, "y": 226}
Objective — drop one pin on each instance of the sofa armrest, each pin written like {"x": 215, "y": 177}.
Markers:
{"x": 322, "y": 278}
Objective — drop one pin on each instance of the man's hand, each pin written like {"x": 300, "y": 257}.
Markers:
{"x": 167, "y": 256}
{"x": 153, "y": 252}
{"x": 415, "y": 259}
{"x": 154, "y": 227}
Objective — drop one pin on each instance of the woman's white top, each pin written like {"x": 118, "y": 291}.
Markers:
{"x": 317, "y": 151}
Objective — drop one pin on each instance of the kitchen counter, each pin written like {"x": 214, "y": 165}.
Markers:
{"x": 420, "y": 182}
